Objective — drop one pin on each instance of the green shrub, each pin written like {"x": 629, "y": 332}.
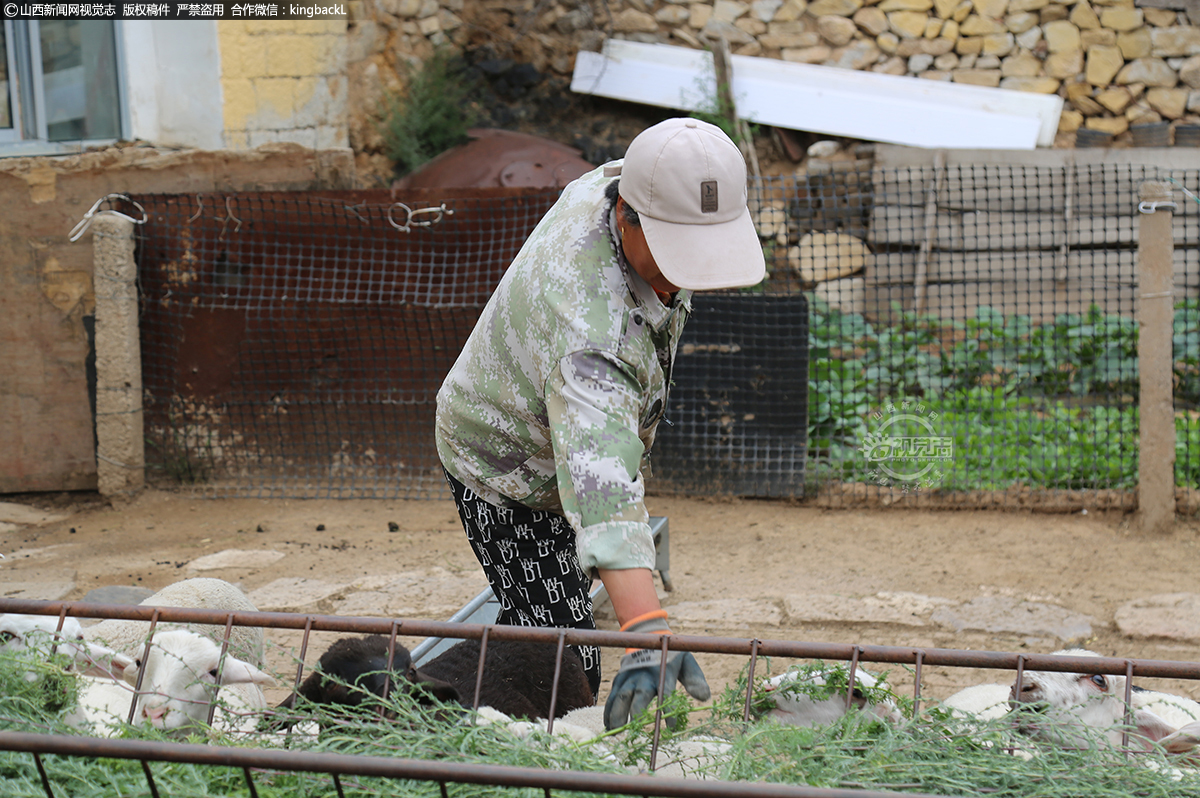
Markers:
{"x": 434, "y": 115}
{"x": 1050, "y": 405}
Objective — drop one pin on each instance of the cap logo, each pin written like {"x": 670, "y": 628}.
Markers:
{"x": 708, "y": 196}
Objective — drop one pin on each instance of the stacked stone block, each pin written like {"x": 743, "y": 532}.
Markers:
{"x": 1115, "y": 64}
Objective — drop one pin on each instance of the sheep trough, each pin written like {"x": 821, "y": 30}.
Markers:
{"x": 362, "y": 718}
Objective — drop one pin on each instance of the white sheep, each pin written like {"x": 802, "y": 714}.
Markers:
{"x": 1056, "y": 704}
{"x": 698, "y": 757}
{"x": 803, "y": 697}
{"x": 180, "y": 683}
{"x": 982, "y": 701}
{"x": 39, "y": 634}
{"x": 129, "y": 637}
{"x": 1176, "y": 710}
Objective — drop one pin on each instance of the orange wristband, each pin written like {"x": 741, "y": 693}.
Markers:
{"x": 647, "y": 616}
{"x": 653, "y": 615}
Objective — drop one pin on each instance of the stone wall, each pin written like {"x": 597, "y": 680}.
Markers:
{"x": 283, "y": 80}
{"x": 1115, "y": 64}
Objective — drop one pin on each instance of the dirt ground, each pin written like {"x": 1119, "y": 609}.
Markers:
{"x": 740, "y": 556}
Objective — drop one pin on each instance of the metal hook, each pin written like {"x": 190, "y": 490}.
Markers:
{"x": 199, "y": 210}
{"x": 1146, "y": 206}
{"x": 441, "y": 211}
{"x": 83, "y": 224}
{"x": 225, "y": 220}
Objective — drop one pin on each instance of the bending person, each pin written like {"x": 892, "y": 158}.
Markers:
{"x": 546, "y": 420}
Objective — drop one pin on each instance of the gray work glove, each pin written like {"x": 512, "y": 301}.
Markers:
{"x": 636, "y": 681}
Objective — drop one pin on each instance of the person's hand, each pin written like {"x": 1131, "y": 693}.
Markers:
{"x": 636, "y": 682}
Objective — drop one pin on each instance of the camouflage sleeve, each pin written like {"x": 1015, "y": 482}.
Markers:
{"x": 593, "y": 406}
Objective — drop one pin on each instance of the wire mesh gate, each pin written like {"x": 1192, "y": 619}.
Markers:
{"x": 293, "y": 344}
{"x": 257, "y": 762}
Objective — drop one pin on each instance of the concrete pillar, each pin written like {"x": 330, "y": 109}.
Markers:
{"x": 120, "y": 445}
{"x": 1155, "y": 315}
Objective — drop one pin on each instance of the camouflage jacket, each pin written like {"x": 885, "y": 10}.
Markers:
{"x": 555, "y": 398}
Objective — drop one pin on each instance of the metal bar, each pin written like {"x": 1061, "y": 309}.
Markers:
{"x": 1128, "y": 707}
{"x": 150, "y": 779}
{"x": 212, "y": 707}
{"x": 850, "y": 681}
{"x": 37, "y": 760}
{"x": 432, "y": 770}
{"x": 62, "y": 619}
{"x": 469, "y": 609}
{"x": 558, "y": 661}
{"x": 483, "y": 642}
{"x": 1146, "y": 668}
{"x": 750, "y": 680}
{"x": 917, "y": 683}
{"x": 137, "y": 687}
{"x": 658, "y": 707}
{"x": 303, "y": 653}
{"x": 391, "y": 660}
{"x": 250, "y": 782}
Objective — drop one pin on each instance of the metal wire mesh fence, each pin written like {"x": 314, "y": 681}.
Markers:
{"x": 973, "y": 340}
{"x": 970, "y": 338}
{"x": 364, "y": 754}
{"x": 293, "y": 343}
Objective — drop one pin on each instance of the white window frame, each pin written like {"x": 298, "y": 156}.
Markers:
{"x": 28, "y": 135}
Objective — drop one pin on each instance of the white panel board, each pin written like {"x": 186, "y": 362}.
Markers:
{"x": 819, "y": 99}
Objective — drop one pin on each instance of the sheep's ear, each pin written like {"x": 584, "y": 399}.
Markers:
{"x": 104, "y": 663}
{"x": 1151, "y": 726}
{"x": 1184, "y": 740}
{"x": 129, "y": 673}
{"x": 238, "y": 672}
{"x": 120, "y": 663}
{"x": 436, "y": 688}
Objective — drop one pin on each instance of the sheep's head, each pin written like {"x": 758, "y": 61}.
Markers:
{"x": 181, "y": 677}
{"x": 816, "y": 695}
{"x": 354, "y": 670}
{"x": 1064, "y": 706}
{"x": 40, "y": 633}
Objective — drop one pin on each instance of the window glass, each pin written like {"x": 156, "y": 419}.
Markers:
{"x": 6, "y": 119}
{"x": 79, "y": 74}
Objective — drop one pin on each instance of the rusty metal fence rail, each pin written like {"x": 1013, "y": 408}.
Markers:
{"x": 257, "y": 761}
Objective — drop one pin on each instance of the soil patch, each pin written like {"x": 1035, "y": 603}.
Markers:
{"x": 740, "y": 568}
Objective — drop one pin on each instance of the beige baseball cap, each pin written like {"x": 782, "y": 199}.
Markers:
{"x": 687, "y": 181}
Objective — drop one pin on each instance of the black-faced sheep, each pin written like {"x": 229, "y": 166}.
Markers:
{"x": 353, "y": 670}
{"x": 517, "y": 676}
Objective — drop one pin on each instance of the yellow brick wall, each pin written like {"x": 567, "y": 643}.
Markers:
{"x": 283, "y": 81}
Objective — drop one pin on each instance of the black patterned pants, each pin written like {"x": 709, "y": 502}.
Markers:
{"x": 530, "y": 560}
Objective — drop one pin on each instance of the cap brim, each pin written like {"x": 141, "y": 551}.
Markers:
{"x": 705, "y": 257}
